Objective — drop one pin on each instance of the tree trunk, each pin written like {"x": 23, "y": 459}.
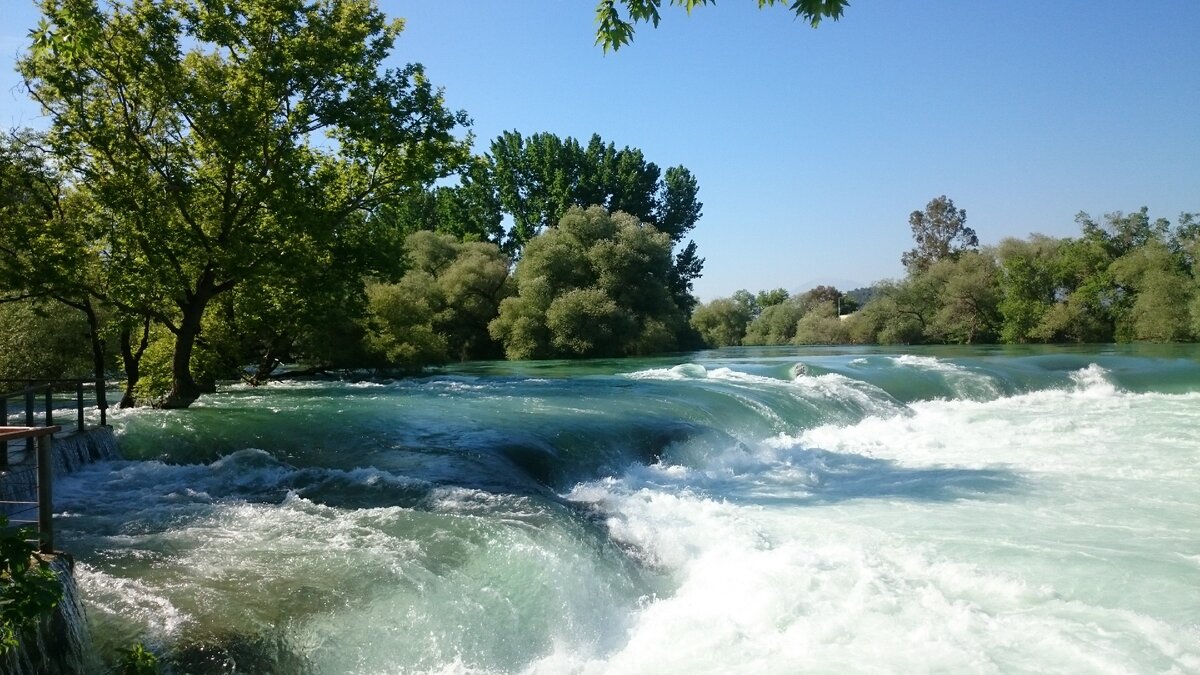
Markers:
{"x": 97, "y": 354}
{"x": 266, "y": 365}
{"x": 184, "y": 390}
{"x": 132, "y": 359}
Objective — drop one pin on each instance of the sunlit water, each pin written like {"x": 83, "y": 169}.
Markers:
{"x": 743, "y": 511}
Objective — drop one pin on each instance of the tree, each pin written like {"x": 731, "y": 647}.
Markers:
{"x": 722, "y": 322}
{"x": 1161, "y": 292}
{"x": 440, "y": 308}
{"x": 900, "y": 312}
{"x": 598, "y": 284}
{"x": 215, "y": 136}
{"x": 776, "y": 325}
{"x": 614, "y": 30}
{"x": 38, "y": 340}
{"x": 1121, "y": 232}
{"x": 770, "y": 298}
{"x": 1028, "y": 287}
{"x": 540, "y": 177}
{"x": 469, "y": 210}
{"x": 821, "y": 325}
{"x": 967, "y": 301}
{"x": 1086, "y": 296}
{"x": 940, "y": 232}
{"x": 47, "y": 242}
{"x": 537, "y": 179}
{"x": 821, "y": 295}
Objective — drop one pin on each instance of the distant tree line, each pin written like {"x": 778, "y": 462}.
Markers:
{"x": 1125, "y": 278}
{"x": 228, "y": 187}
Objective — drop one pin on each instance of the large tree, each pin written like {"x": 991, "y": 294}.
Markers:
{"x": 216, "y": 135}
{"x": 613, "y": 30}
{"x": 538, "y": 178}
{"x": 48, "y": 249}
{"x": 598, "y": 284}
{"x": 940, "y": 231}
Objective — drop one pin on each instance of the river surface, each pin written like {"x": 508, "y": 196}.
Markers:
{"x": 783, "y": 510}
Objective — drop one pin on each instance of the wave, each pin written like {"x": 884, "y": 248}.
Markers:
{"x": 966, "y": 526}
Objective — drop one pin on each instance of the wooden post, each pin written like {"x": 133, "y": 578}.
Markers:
{"x": 45, "y": 485}
{"x": 4, "y": 444}
{"x": 79, "y": 405}
{"x": 29, "y": 442}
{"x": 50, "y": 405}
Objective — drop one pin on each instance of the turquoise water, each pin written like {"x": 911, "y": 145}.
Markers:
{"x": 743, "y": 510}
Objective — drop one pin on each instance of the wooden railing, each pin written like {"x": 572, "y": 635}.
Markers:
{"x": 33, "y": 391}
{"x": 44, "y": 504}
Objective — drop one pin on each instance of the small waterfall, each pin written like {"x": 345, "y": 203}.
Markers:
{"x": 59, "y": 645}
{"x": 71, "y": 452}
{"x": 92, "y": 445}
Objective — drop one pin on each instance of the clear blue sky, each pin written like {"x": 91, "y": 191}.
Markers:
{"x": 812, "y": 146}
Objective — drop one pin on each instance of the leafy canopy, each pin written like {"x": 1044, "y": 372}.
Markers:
{"x": 614, "y": 30}
{"x": 216, "y": 137}
{"x": 598, "y": 284}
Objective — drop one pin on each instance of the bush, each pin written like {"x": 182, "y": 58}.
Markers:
{"x": 29, "y": 589}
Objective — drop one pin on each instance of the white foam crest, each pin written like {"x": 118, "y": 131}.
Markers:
{"x": 830, "y": 387}
{"x": 965, "y": 382}
{"x": 117, "y": 596}
{"x": 1093, "y": 428}
{"x": 291, "y": 384}
{"x": 838, "y": 387}
{"x": 926, "y": 362}
{"x": 1094, "y": 381}
{"x": 683, "y": 371}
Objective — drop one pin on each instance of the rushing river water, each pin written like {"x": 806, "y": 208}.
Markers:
{"x": 750, "y": 510}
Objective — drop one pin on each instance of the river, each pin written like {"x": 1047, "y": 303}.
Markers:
{"x": 745, "y": 510}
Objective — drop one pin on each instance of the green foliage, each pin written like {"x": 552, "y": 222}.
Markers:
{"x": 137, "y": 660}
{"x": 470, "y": 210}
{"x": 1121, "y": 233}
{"x": 896, "y": 314}
{"x": 967, "y": 299}
{"x": 1161, "y": 292}
{"x": 821, "y": 325}
{"x": 766, "y": 299}
{"x": 29, "y": 589}
{"x": 217, "y": 139}
{"x": 42, "y": 340}
{"x": 440, "y": 309}
{"x": 155, "y": 372}
{"x": 613, "y": 30}
{"x": 587, "y": 322}
{"x": 598, "y": 284}
{"x": 723, "y": 322}
{"x": 776, "y": 325}
{"x": 402, "y": 317}
{"x": 540, "y": 177}
{"x": 1028, "y": 285}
